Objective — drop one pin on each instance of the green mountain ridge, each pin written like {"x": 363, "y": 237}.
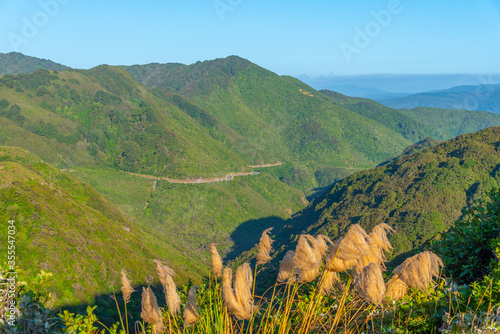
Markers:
{"x": 419, "y": 123}
{"x": 279, "y": 118}
{"x": 17, "y": 63}
{"x": 445, "y": 124}
{"x": 419, "y": 194}
{"x": 484, "y": 97}
{"x": 212, "y": 118}
{"x": 77, "y": 121}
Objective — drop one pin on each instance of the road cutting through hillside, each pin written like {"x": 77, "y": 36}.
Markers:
{"x": 228, "y": 177}
{"x": 266, "y": 165}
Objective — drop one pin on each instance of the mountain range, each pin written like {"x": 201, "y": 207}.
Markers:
{"x": 484, "y": 97}
{"x": 17, "y": 63}
{"x": 269, "y": 118}
{"x": 384, "y": 86}
{"x": 116, "y": 155}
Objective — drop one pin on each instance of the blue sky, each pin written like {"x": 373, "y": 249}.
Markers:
{"x": 287, "y": 37}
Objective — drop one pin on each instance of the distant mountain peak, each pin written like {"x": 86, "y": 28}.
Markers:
{"x": 484, "y": 97}
{"x": 17, "y": 63}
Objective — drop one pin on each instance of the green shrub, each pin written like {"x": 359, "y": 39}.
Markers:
{"x": 468, "y": 248}
{"x": 4, "y": 104}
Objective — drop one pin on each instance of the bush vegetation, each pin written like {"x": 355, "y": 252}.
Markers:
{"x": 419, "y": 194}
{"x": 339, "y": 295}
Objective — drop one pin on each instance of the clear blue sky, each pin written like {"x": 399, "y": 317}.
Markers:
{"x": 287, "y": 37}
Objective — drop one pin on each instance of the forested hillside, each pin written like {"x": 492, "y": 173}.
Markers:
{"x": 419, "y": 194}
{"x": 278, "y": 119}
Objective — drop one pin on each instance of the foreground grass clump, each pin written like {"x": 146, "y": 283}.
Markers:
{"x": 323, "y": 288}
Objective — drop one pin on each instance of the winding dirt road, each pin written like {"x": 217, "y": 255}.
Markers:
{"x": 266, "y": 165}
{"x": 228, "y": 177}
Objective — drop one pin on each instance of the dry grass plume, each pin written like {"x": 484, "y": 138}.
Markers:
{"x": 238, "y": 294}
{"x": 309, "y": 255}
{"x": 370, "y": 284}
{"x": 347, "y": 251}
{"x": 216, "y": 261}
{"x": 321, "y": 244}
{"x": 419, "y": 270}
{"x": 126, "y": 287}
{"x": 242, "y": 286}
{"x": 171, "y": 296}
{"x": 191, "y": 311}
{"x": 150, "y": 311}
{"x": 378, "y": 244}
{"x": 286, "y": 267}
{"x": 265, "y": 246}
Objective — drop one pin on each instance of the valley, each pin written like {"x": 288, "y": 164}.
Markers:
{"x": 249, "y": 167}
{"x": 114, "y": 167}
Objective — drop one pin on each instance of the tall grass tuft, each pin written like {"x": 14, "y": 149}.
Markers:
{"x": 216, "y": 261}
{"x": 370, "y": 284}
{"x": 378, "y": 244}
{"x": 309, "y": 255}
{"x": 150, "y": 312}
{"x": 419, "y": 270}
{"x": 126, "y": 293}
{"x": 238, "y": 294}
{"x": 171, "y": 296}
{"x": 347, "y": 251}
{"x": 242, "y": 287}
{"x": 264, "y": 248}
{"x": 126, "y": 287}
{"x": 345, "y": 303}
{"x": 286, "y": 268}
{"x": 191, "y": 311}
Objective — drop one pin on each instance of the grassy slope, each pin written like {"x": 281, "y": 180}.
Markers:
{"x": 212, "y": 213}
{"x": 418, "y": 123}
{"x": 66, "y": 227}
{"x": 279, "y": 118}
{"x": 419, "y": 194}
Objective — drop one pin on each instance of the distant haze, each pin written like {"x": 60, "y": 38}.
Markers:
{"x": 371, "y": 85}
